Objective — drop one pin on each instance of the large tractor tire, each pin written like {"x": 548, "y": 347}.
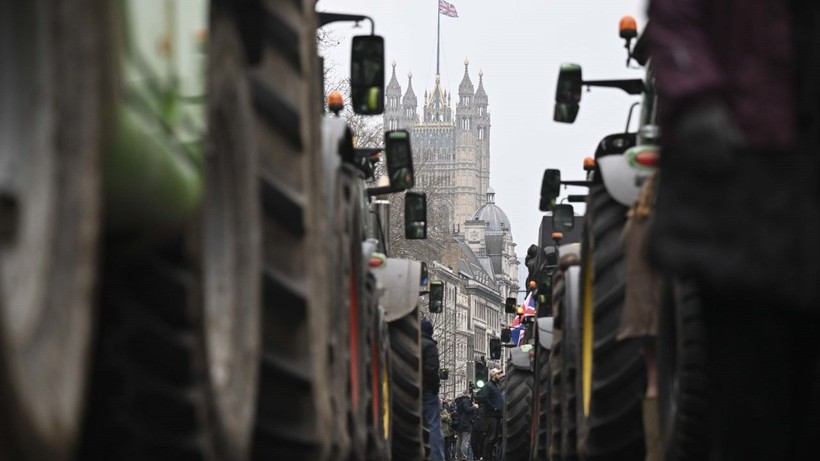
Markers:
{"x": 563, "y": 365}
{"x": 231, "y": 249}
{"x": 613, "y": 374}
{"x": 517, "y": 414}
{"x": 379, "y": 408}
{"x": 54, "y": 78}
{"x": 541, "y": 396}
{"x": 682, "y": 378}
{"x": 294, "y": 417}
{"x": 405, "y": 361}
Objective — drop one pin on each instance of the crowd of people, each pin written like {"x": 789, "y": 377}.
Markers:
{"x": 468, "y": 428}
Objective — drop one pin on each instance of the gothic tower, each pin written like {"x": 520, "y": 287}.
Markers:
{"x": 468, "y": 192}
{"x": 482, "y": 145}
{"x": 392, "y": 107}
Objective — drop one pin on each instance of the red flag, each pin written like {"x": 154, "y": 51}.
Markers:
{"x": 447, "y": 9}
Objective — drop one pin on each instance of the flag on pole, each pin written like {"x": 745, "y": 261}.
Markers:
{"x": 447, "y": 9}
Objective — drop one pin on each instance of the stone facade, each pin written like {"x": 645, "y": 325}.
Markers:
{"x": 451, "y": 145}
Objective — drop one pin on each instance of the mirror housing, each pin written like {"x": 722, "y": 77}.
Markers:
{"x": 563, "y": 218}
{"x": 506, "y": 335}
{"x": 495, "y": 348}
{"x": 568, "y": 93}
{"x": 550, "y": 189}
{"x": 436, "y": 297}
{"x": 399, "y": 160}
{"x": 367, "y": 74}
{"x": 415, "y": 216}
{"x": 509, "y": 305}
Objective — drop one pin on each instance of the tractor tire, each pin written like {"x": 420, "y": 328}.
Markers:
{"x": 682, "y": 379}
{"x": 405, "y": 360}
{"x": 569, "y": 406}
{"x": 541, "y": 396}
{"x": 54, "y": 81}
{"x": 379, "y": 422}
{"x": 614, "y": 429}
{"x": 556, "y": 369}
{"x": 517, "y": 414}
{"x": 293, "y": 407}
{"x": 231, "y": 248}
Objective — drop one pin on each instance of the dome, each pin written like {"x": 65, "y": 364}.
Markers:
{"x": 494, "y": 216}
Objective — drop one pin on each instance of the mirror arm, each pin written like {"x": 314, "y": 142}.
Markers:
{"x": 576, "y": 183}
{"x": 631, "y": 86}
{"x": 373, "y": 191}
{"x": 328, "y": 18}
{"x": 576, "y": 198}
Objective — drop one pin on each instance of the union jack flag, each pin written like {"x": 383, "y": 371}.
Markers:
{"x": 516, "y": 326}
{"x": 447, "y": 9}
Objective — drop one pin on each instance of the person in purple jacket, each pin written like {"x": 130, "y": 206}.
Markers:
{"x": 738, "y": 208}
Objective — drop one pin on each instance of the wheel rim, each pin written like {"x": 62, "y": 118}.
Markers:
{"x": 50, "y": 213}
{"x": 587, "y": 335}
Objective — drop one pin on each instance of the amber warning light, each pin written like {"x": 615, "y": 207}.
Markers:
{"x": 628, "y": 28}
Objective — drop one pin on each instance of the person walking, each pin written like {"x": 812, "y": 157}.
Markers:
{"x": 430, "y": 386}
{"x": 738, "y": 208}
{"x": 491, "y": 406}
{"x": 447, "y": 430}
{"x": 466, "y": 410}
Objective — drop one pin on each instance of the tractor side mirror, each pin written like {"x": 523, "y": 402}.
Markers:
{"x": 563, "y": 218}
{"x": 495, "y": 348}
{"x": 506, "y": 336}
{"x": 436, "y": 297}
{"x": 367, "y": 74}
{"x": 550, "y": 189}
{"x": 399, "y": 160}
{"x": 415, "y": 216}
{"x": 509, "y": 305}
{"x": 568, "y": 93}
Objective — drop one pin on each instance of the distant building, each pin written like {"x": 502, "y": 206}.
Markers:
{"x": 478, "y": 265}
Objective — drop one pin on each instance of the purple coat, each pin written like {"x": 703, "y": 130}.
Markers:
{"x": 736, "y": 51}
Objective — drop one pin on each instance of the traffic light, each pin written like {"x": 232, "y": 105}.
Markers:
{"x": 495, "y": 348}
{"x": 480, "y": 374}
{"x": 443, "y": 374}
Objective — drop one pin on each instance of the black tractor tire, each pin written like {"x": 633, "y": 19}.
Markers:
{"x": 294, "y": 418}
{"x": 149, "y": 391}
{"x": 231, "y": 248}
{"x": 517, "y": 414}
{"x": 405, "y": 361}
{"x": 571, "y": 415}
{"x": 379, "y": 408}
{"x": 557, "y": 369}
{"x": 682, "y": 379}
{"x": 541, "y": 397}
{"x": 55, "y": 77}
{"x": 614, "y": 429}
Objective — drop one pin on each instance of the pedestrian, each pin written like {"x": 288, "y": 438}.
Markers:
{"x": 466, "y": 410}
{"x": 491, "y": 408}
{"x": 446, "y": 430}
{"x": 738, "y": 208}
{"x": 430, "y": 387}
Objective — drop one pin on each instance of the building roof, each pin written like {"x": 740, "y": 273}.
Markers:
{"x": 493, "y": 215}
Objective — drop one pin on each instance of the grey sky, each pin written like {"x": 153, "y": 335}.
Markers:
{"x": 519, "y": 45}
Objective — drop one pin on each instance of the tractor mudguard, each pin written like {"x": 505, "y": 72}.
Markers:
{"x": 400, "y": 280}
{"x": 520, "y": 357}
{"x": 545, "y": 332}
{"x": 570, "y": 248}
{"x": 621, "y": 180}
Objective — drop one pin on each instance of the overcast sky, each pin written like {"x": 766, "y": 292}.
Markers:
{"x": 520, "y": 46}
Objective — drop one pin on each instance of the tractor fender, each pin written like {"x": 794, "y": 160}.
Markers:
{"x": 621, "y": 180}
{"x": 400, "y": 281}
{"x": 545, "y": 332}
{"x": 520, "y": 357}
{"x": 570, "y": 249}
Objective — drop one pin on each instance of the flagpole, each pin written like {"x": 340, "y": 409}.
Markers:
{"x": 438, "y": 38}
